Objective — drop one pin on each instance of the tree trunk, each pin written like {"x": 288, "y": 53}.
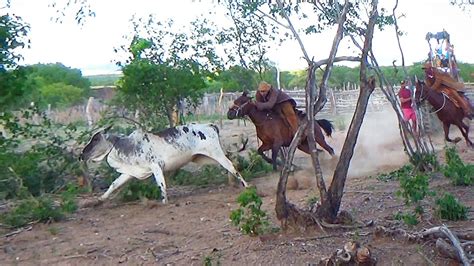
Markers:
{"x": 330, "y": 206}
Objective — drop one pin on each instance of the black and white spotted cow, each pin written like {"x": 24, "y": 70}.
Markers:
{"x": 142, "y": 154}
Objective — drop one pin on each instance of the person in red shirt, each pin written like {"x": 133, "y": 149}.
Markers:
{"x": 406, "y": 103}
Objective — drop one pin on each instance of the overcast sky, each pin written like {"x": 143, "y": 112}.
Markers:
{"x": 90, "y": 47}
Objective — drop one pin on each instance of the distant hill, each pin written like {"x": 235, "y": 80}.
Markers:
{"x": 104, "y": 80}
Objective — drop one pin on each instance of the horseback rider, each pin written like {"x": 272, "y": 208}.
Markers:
{"x": 443, "y": 82}
{"x": 269, "y": 98}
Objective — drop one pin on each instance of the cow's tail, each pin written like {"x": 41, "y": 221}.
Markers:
{"x": 326, "y": 125}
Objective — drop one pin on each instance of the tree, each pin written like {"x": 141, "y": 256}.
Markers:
{"x": 238, "y": 78}
{"x": 350, "y": 23}
{"x": 13, "y": 34}
{"x": 56, "y": 84}
{"x": 167, "y": 68}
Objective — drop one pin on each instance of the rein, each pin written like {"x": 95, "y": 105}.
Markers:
{"x": 239, "y": 107}
{"x": 444, "y": 104}
{"x": 444, "y": 100}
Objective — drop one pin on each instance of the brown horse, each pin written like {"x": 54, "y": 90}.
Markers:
{"x": 273, "y": 131}
{"x": 447, "y": 112}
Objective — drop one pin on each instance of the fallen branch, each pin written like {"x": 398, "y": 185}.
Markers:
{"x": 436, "y": 232}
{"x": 456, "y": 251}
{"x": 18, "y": 231}
{"x": 460, "y": 251}
{"x": 446, "y": 250}
{"x": 344, "y": 226}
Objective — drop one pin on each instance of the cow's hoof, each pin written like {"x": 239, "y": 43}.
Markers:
{"x": 87, "y": 203}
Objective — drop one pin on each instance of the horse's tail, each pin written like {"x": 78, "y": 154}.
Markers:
{"x": 326, "y": 125}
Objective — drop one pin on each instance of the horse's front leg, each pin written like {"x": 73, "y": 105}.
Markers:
{"x": 261, "y": 151}
{"x": 446, "y": 132}
{"x": 275, "y": 151}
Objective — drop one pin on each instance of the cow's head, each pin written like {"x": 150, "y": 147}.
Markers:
{"x": 98, "y": 146}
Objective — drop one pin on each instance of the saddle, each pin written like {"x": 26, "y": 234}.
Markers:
{"x": 448, "y": 93}
{"x": 465, "y": 105}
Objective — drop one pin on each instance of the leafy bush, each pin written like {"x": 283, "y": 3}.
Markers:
{"x": 206, "y": 175}
{"x": 140, "y": 189}
{"x": 407, "y": 218}
{"x": 460, "y": 174}
{"x": 249, "y": 217}
{"x": 36, "y": 156}
{"x": 403, "y": 172}
{"x": 68, "y": 197}
{"x": 252, "y": 167}
{"x": 414, "y": 188}
{"x": 448, "y": 207}
{"x": 40, "y": 209}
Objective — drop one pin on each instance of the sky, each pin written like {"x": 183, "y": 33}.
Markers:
{"x": 91, "y": 47}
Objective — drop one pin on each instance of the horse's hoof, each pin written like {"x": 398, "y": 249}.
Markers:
{"x": 457, "y": 139}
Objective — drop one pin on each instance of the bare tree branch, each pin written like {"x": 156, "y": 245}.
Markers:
{"x": 295, "y": 34}
{"x": 335, "y": 44}
{"x": 273, "y": 19}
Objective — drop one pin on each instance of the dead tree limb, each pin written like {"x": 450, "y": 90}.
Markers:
{"x": 460, "y": 251}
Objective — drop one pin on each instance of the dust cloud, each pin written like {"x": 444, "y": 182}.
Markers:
{"x": 379, "y": 146}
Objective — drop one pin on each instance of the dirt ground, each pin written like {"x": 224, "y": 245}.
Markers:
{"x": 195, "y": 226}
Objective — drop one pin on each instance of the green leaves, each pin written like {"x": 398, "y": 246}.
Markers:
{"x": 249, "y": 217}
{"x": 460, "y": 174}
{"x": 13, "y": 32}
{"x": 449, "y": 208}
{"x": 167, "y": 68}
{"x": 414, "y": 188}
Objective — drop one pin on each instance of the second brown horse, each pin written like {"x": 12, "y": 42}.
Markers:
{"x": 272, "y": 130}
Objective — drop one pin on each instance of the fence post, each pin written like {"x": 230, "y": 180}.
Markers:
{"x": 333, "y": 101}
{"x": 89, "y": 111}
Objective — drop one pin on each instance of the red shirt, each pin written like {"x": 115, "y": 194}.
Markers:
{"x": 403, "y": 94}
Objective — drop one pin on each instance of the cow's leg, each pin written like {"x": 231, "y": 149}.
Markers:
{"x": 219, "y": 156}
{"x": 122, "y": 179}
{"x": 160, "y": 181}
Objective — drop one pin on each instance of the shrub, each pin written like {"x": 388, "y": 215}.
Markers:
{"x": 36, "y": 158}
{"x": 252, "y": 167}
{"x": 414, "y": 188}
{"x": 140, "y": 189}
{"x": 403, "y": 172}
{"x": 40, "y": 209}
{"x": 407, "y": 218}
{"x": 460, "y": 174}
{"x": 448, "y": 207}
{"x": 206, "y": 175}
{"x": 68, "y": 197}
{"x": 249, "y": 217}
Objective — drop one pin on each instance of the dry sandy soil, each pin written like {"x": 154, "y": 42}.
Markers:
{"x": 195, "y": 224}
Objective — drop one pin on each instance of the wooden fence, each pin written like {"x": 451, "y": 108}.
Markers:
{"x": 339, "y": 102}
